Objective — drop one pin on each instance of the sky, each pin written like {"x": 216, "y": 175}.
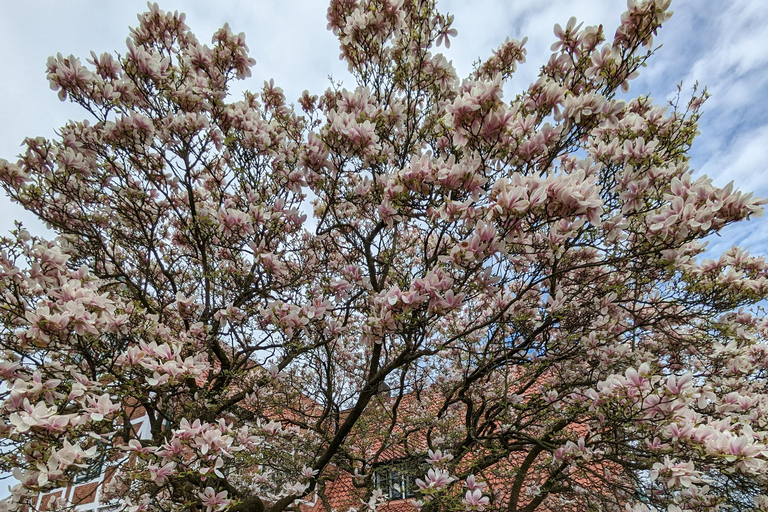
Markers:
{"x": 717, "y": 43}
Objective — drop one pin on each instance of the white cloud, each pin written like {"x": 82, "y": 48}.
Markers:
{"x": 483, "y": 25}
{"x": 742, "y": 160}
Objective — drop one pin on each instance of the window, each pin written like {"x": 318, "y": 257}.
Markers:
{"x": 94, "y": 469}
{"x": 397, "y": 479}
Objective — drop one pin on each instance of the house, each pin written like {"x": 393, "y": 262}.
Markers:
{"x": 395, "y": 451}
{"x": 85, "y": 492}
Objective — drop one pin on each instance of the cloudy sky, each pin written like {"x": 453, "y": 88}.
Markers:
{"x": 717, "y": 43}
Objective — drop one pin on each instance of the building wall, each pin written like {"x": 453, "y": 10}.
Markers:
{"x": 87, "y": 496}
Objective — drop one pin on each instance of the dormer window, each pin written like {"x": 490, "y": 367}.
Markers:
{"x": 397, "y": 479}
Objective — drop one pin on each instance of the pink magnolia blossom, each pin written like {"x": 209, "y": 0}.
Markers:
{"x": 476, "y": 499}
{"x": 435, "y": 479}
{"x": 212, "y": 500}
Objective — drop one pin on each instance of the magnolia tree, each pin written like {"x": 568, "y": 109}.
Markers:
{"x": 511, "y": 293}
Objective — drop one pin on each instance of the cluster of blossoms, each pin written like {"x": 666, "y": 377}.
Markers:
{"x": 513, "y": 290}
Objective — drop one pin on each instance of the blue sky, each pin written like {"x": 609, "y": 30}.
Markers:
{"x": 717, "y": 43}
